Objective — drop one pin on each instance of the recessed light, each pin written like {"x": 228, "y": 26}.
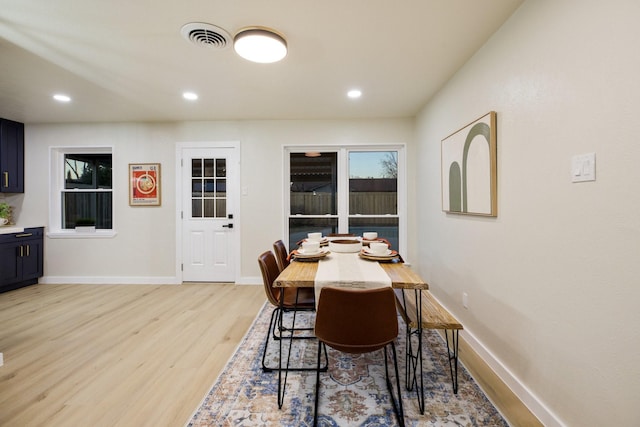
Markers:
{"x": 354, "y": 93}
{"x": 190, "y": 96}
{"x": 61, "y": 97}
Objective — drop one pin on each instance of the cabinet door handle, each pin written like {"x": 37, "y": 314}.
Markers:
{"x": 28, "y": 247}
{"x": 6, "y": 179}
{"x": 24, "y": 235}
{"x": 21, "y": 251}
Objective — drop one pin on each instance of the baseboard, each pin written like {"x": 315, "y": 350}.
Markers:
{"x": 469, "y": 342}
{"x": 108, "y": 280}
{"x": 250, "y": 280}
{"x": 104, "y": 280}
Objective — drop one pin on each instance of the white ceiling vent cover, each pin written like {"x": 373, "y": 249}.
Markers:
{"x": 205, "y": 35}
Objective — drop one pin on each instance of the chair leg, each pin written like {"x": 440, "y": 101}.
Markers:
{"x": 272, "y": 326}
{"x": 397, "y": 408}
{"x": 315, "y": 410}
{"x": 277, "y": 334}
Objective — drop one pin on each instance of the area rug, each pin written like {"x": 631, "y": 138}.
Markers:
{"x": 353, "y": 391}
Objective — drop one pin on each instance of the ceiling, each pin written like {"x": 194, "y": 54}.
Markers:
{"x": 126, "y": 60}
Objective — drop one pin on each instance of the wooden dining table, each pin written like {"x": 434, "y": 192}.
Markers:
{"x": 302, "y": 274}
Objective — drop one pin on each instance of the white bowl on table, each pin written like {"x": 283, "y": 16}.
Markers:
{"x": 345, "y": 245}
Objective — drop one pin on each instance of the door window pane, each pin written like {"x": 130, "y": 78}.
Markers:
{"x": 209, "y": 171}
{"x": 196, "y": 167}
{"x": 209, "y": 208}
{"x": 313, "y": 184}
{"x": 221, "y": 168}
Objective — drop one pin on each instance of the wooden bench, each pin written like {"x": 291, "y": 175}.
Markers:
{"x": 434, "y": 316}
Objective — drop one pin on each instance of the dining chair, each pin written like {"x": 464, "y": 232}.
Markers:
{"x": 359, "y": 321}
{"x": 293, "y": 300}
{"x": 282, "y": 255}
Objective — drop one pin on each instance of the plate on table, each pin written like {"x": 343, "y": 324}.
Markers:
{"x": 367, "y": 254}
{"x": 388, "y": 252}
{"x": 299, "y": 255}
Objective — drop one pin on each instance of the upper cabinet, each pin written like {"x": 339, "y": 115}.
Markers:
{"x": 11, "y": 156}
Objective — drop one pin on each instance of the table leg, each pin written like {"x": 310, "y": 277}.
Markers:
{"x": 419, "y": 317}
{"x": 414, "y": 376}
{"x": 452, "y": 352}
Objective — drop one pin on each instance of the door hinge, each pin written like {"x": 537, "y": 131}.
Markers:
{"x": 181, "y": 267}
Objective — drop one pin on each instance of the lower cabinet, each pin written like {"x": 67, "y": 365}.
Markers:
{"x": 21, "y": 258}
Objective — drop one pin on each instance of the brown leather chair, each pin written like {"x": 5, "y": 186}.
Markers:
{"x": 295, "y": 299}
{"x": 359, "y": 321}
{"x": 282, "y": 255}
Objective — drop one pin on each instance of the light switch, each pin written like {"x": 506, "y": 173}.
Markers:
{"x": 583, "y": 167}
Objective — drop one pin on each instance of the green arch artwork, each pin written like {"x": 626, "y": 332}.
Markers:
{"x": 456, "y": 185}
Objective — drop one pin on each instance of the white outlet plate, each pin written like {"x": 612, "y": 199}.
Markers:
{"x": 465, "y": 300}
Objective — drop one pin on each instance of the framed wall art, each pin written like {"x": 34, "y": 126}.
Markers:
{"x": 469, "y": 175}
{"x": 144, "y": 184}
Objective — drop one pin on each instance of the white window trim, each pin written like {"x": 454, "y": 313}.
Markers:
{"x": 56, "y": 184}
{"x": 343, "y": 196}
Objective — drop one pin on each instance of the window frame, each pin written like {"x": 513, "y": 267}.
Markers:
{"x": 343, "y": 215}
{"x": 57, "y": 187}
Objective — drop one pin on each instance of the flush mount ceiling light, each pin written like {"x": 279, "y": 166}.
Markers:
{"x": 260, "y": 44}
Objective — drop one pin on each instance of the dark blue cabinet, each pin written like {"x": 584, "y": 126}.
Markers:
{"x": 21, "y": 258}
{"x": 11, "y": 156}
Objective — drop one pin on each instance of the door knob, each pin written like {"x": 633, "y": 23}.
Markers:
{"x": 228, "y": 225}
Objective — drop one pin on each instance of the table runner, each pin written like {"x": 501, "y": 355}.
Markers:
{"x": 348, "y": 270}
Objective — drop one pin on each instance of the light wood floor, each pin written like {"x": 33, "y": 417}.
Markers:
{"x": 99, "y": 355}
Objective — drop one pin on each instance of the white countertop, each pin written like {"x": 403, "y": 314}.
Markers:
{"x": 7, "y": 229}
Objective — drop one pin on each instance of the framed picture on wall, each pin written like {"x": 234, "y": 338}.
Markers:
{"x": 469, "y": 176}
{"x": 144, "y": 184}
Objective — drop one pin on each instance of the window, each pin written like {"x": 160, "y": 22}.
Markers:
{"x": 346, "y": 190}
{"x": 208, "y": 188}
{"x": 87, "y": 198}
{"x": 81, "y": 189}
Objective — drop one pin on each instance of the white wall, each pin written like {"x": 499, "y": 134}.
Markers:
{"x": 144, "y": 249}
{"x": 554, "y": 280}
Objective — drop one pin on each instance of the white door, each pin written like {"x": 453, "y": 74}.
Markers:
{"x": 210, "y": 183}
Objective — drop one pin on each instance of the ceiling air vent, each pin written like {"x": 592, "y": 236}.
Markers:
{"x": 205, "y": 35}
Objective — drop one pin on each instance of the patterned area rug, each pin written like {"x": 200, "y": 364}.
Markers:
{"x": 352, "y": 393}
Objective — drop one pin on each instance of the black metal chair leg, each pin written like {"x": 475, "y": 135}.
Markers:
{"x": 397, "y": 407}
{"x": 277, "y": 317}
{"x": 272, "y": 325}
{"x": 315, "y": 410}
